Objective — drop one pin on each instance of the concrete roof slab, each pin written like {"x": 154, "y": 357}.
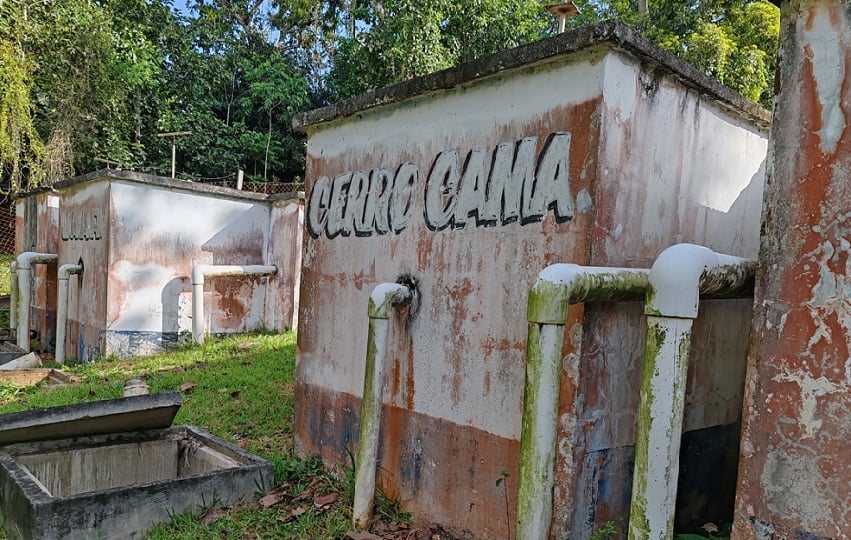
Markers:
{"x": 154, "y": 411}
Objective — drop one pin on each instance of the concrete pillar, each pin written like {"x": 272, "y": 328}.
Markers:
{"x": 795, "y": 468}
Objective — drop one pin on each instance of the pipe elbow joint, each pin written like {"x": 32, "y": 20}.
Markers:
{"x": 683, "y": 272}
{"x": 386, "y": 296}
{"x": 551, "y": 293}
{"x": 26, "y": 259}
{"x": 198, "y": 272}
{"x": 65, "y": 271}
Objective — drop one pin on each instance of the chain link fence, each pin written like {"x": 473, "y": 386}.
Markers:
{"x": 7, "y": 229}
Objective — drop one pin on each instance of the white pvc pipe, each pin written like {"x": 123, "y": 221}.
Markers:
{"x": 679, "y": 276}
{"x": 557, "y": 287}
{"x": 64, "y": 273}
{"x": 199, "y": 272}
{"x": 384, "y": 298}
{"x": 13, "y": 296}
{"x": 25, "y": 261}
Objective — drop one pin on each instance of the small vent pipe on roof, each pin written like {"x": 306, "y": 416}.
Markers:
{"x": 64, "y": 273}
{"x": 556, "y": 287}
{"x": 562, "y": 12}
{"x": 25, "y": 261}
{"x": 680, "y": 275}
{"x": 199, "y": 272}
{"x": 384, "y": 300}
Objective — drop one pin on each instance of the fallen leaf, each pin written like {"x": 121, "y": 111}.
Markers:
{"x": 355, "y": 535}
{"x": 242, "y": 444}
{"x": 248, "y": 536}
{"x": 246, "y": 345}
{"x": 324, "y": 501}
{"x": 307, "y": 493}
{"x": 212, "y": 515}
{"x": 187, "y": 387}
{"x": 275, "y": 496}
{"x": 294, "y": 513}
{"x": 235, "y": 394}
{"x": 709, "y": 527}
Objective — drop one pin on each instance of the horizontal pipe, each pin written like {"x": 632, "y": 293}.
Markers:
{"x": 25, "y": 261}
{"x": 202, "y": 271}
{"x": 556, "y": 287}
{"x": 64, "y": 274}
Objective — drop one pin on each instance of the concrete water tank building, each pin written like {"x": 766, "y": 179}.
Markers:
{"x": 137, "y": 239}
{"x": 593, "y": 147}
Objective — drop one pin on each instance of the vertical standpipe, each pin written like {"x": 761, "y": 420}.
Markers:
{"x": 25, "y": 261}
{"x": 679, "y": 276}
{"x": 556, "y": 287}
{"x": 199, "y": 272}
{"x": 384, "y": 300}
{"x": 64, "y": 273}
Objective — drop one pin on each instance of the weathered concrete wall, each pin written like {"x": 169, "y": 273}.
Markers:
{"x": 795, "y": 474}
{"x": 85, "y": 235}
{"x": 286, "y": 233}
{"x": 152, "y": 255}
{"x": 624, "y": 160}
{"x": 669, "y": 171}
{"x": 139, "y": 237}
{"x": 37, "y": 229}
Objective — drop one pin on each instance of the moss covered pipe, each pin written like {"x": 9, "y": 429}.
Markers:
{"x": 679, "y": 277}
{"x": 384, "y": 300}
{"x": 556, "y": 287}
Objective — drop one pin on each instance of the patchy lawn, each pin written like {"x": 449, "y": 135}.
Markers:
{"x": 240, "y": 389}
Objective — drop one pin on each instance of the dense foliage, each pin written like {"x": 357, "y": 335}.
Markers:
{"x": 82, "y": 81}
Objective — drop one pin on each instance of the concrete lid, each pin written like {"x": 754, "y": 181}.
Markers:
{"x": 154, "y": 411}
{"x": 613, "y": 34}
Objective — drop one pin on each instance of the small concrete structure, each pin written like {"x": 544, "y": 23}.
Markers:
{"x": 594, "y": 148}
{"x": 137, "y": 238}
{"x": 113, "y": 469}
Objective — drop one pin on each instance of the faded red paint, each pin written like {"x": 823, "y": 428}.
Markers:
{"x": 795, "y": 473}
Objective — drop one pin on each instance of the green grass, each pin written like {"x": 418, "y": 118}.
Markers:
{"x": 5, "y": 273}
{"x": 243, "y": 393}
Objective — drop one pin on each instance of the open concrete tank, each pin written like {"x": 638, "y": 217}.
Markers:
{"x": 593, "y": 147}
{"x": 136, "y": 239}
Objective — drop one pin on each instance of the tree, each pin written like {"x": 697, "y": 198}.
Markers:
{"x": 395, "y": 40}
{"x": 734, "y": 41}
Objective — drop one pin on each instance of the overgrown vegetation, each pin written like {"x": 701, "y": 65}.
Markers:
{"x": 240, "y": 389}
{"x": 87, "y": 80}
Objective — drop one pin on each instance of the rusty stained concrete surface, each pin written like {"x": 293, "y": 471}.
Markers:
{"x": 40, "y": 234}
{"x": 139, "y": 237}
{"x": 651, "y": 163}
{"x": 795, "y": 473}
{"x": 285, "y": 241}
{"x": 152, "y": 255}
